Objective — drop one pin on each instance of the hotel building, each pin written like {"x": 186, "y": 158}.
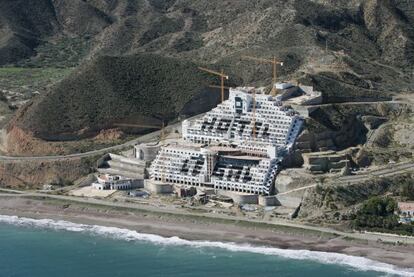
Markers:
{"x": 237, "y": 146}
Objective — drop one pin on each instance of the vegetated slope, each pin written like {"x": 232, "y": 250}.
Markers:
{"x": 340, "y": 203}
{"x": 28, "y": 24}
{"x": 139, "y": 89}
{"x": 361, "y": 47}
{"x": 22, "y": 26}
{"x": 348, "y": 49}
{"x": 351, "y": 50}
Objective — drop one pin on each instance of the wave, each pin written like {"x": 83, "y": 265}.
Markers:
{"x": 359, "y": 263}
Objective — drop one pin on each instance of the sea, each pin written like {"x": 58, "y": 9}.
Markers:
{"x": 45, "y": 247}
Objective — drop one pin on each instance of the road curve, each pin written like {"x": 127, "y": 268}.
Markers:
{"x": 386, "y": 171}
{"x": 389, "y": 170}
{"x": 141, "y": 139}
{"x": 84, "y": 154}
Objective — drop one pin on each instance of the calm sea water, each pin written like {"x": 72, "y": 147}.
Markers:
{"x": 56, "y": 248}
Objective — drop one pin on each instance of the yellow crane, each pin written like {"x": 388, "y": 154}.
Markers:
{"x": 253, "y": 110}
{"x": 222, "y": 77}
{"x": 274, "y": 63}
{"x": 214, "y": 86}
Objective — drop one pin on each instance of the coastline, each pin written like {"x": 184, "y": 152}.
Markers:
{"x": 202, "y": 229}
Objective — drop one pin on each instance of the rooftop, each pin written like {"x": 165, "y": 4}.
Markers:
{"x": 406, "y": 206}
{"x": 244, "y": 157}
{"x": 185, "y": 146}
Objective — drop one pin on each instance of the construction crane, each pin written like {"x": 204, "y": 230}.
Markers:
{"x": 254, "y": 114}
{"x": 214, "y": 86}
{"x": 222, "y": 77}
{"x": 274, "y": 63}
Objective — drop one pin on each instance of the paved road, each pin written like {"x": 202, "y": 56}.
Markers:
{"x": 389, "y": 170}
{"x": 358, "y": 103}
{"x": 276, "y": 222}
{"x": 297, "y": 189}
{"x": 141, "y": 139}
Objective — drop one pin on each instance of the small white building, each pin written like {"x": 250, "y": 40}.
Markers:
{"x": 406, "y": 212}
{"x": 112, "y": 182}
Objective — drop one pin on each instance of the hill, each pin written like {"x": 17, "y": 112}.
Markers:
{"x": 140, "y": 89}
{"x": 350, "y": 45}
{"x": 136, "y": 60}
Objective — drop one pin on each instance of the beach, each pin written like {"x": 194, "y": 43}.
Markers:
{"x": 198, "y": 228}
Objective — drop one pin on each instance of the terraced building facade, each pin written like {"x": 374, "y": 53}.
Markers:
{"x": 237, "y": 146}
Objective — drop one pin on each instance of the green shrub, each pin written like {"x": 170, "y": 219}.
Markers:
{"x": 377, "y": 212}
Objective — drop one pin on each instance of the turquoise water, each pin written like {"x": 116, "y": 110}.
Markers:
{"x": 50, "y": 248}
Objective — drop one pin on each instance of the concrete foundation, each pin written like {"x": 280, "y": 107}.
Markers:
{"x": 270, "y": 200}
{"x": 119, "y": 165}
{"x": 328, "y": 161}
{"x": 158, "y": 187}
{"x": 240, "y": 198}
{"x": 146, "y": 151}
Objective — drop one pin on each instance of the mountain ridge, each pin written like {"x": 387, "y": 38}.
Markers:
{"x": 360, "y": 50}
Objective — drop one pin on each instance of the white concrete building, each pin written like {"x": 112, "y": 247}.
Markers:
{"x": 231, "y": 122}
{"x": 112, "y": 182}
{"x": 224, "y": 168}
{"x": 220, "y": 150}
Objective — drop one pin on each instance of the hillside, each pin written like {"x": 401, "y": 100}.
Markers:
{"x": 136, "y": 60}
{"x": 341, "y": 203}
{"x": 139, "y": 89}
{"x": 360, "y": 45}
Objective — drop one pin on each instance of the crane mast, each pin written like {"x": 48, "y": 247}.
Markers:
{"x": 274, "y": 63}
{"x": 222, "y": 77}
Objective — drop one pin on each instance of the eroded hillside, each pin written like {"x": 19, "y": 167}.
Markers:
{"x": 352, "y": 51}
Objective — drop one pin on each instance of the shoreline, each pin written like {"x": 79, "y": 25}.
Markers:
{"x": 203, "y": 229}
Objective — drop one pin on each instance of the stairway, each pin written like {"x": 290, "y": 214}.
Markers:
{"x": 119, "y": 165}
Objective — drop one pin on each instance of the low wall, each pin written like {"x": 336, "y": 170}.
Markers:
{"x": 240, "y": 198}
{"x": 137, "y": 183}
{"x": 271, "y": 200}
{"x": 157, "y": 187}
{"x": 318, "y": 162}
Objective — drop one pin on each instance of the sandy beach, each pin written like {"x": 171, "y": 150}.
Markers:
{"x": 199, "y": 228}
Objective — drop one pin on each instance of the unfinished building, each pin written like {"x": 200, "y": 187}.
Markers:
{"x": 237, "y": 146}
{"x": 256, "y": 123}
{"x": 215, "y": 167}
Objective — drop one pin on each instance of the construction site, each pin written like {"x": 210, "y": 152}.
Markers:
{"x": 230, "y": 154}
{"x": 257, "y": 152}
{"x": 251, "y": 155}
{"x": 238, "y": 146}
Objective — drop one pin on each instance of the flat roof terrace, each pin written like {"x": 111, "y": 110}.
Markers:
{"x": 243, "y": 157}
